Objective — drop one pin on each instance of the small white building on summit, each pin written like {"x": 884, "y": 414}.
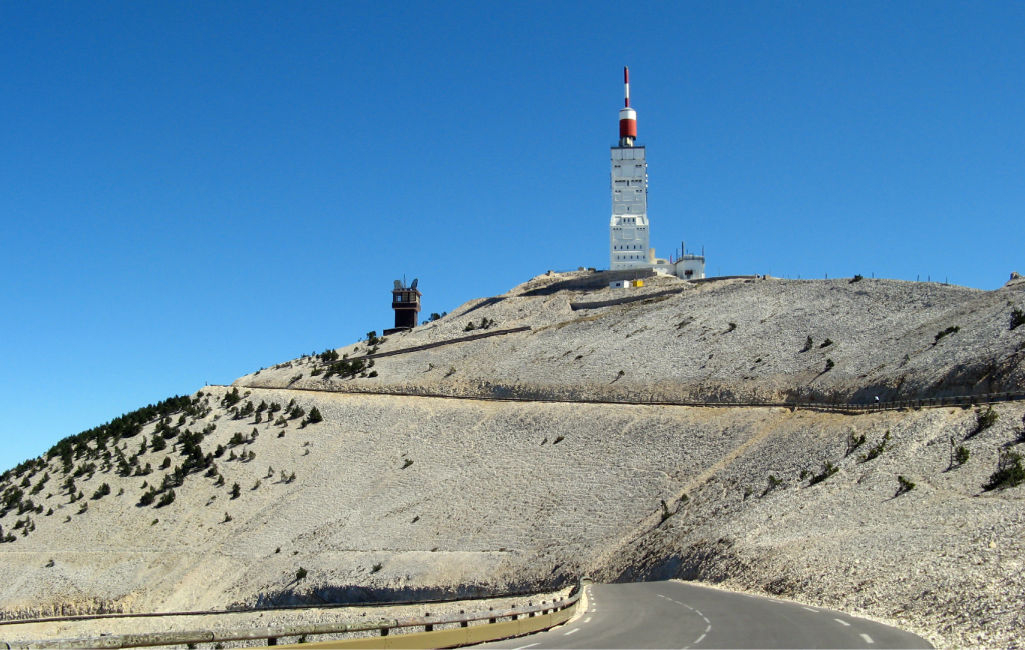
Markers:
{"x": 629, "y": 233}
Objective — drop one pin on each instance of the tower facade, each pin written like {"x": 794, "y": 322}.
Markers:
{"x": 629, "y": 236}
{"x": 406, "y": 303}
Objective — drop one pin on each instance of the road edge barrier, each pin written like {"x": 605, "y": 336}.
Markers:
{"x": 462, "y": 629}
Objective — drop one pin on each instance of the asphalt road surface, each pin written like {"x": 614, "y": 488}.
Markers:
{"x": 681, "y": 615}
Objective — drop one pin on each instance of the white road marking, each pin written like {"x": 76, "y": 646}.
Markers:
{"x": 587, "y": 620}
{"x": 699, "y": 639}
{"x": 810, "y": 609}
{"x": 524, "y": 647}
{"x": 708, "y": 628}
{"x": 844, "y": 623}
{"x": 867, "y": 638}
{"x": 576, "y": 629}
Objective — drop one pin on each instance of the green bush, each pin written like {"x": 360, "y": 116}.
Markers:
{"x": 961, "y": 455}
{"x": 904, "y": 485}
{"x": 807, "y": 344}
{"x": 829, "y": 365}
{"x": 878, "y": 449}
{"x": 828, "y": 469}
{"x": 1017, "y": 318}
{"x": 148, "y": 497}
{"x": 101, "y": 491}
{"x": 950, "y": 330}
{"x": 1009, "y": 472}
{"x": 826, "y": 343}
{"x": 857, "y": 278}
{"x": 231, "y": 398}
{"x": 301, "y": 574}
{"x": 983, "y": 420}
{"x": 773, "y": 484}
{"x": 235, "y": 491}
{"x": 166, "y": 499}
{"x": 314, "y": 416}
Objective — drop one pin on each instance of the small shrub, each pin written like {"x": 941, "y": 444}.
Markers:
{"x": 148, "y": 497}
{"x": 853, "y": 442}
{"x": 469, "y": 327}
{"x": 773, "y": 484}
{"x": 235, "y": 491}
{"x": 828, "y": 469}
{"x": 950, "y": 330}
{"x": 1009, "y": 472}
{"x": 166, "y": 463}
{"x": 903, "y": 485}
{"x": 732, "y": 326}
{"x": 256, "y": 486}
{"x": 857, "y": 278}
{"x": 226, "y": 519}
{"x": 666, "y": 514}
{"x": 301, "y": 574}
{"x": 826, "y": 343}
{"x": 101, "y": 492}
{"x": 373, "y": 373}
{"x": 807, "y": 344}
{"x": 961, "y": 455}
{"x": 558, "y": 439}
{"x": 1017, "y": 318}
{"x": 407, "y": 463}
{"x": 166, "y": 499}
{"x": 878, "y": 449}
{"x": 377, "y": 567}
{"x": 314, "y": 416}
{"x": 983, "y": 420}
{"x": 829, "y": 365}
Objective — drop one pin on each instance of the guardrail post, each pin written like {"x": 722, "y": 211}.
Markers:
{"x": 463, "y": 623}
{"x": 384, "y": 631}
{"x": 531, "y": 614}
{"x": 272, "y": 640}
{"x": 428, "y": 627}
{"x": 492, "y": 619}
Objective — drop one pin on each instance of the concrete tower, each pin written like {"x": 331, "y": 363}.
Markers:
{"x": 628, "y": 228}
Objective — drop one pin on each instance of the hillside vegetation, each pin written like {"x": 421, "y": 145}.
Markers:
{"x": 299, "y": 484}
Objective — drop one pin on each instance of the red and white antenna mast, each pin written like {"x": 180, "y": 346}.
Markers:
{"x": 627, "y": 115}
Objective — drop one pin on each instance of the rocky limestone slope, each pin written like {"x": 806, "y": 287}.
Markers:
{"x": 730, "y": 340}
{"x": 406, "y": 496}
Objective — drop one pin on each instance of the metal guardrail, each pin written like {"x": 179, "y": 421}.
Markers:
{"x": 261, "y": 608}
{"x": 531, "y": 618}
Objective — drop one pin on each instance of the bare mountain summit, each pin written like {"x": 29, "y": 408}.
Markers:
{"x": 367, "y": 474}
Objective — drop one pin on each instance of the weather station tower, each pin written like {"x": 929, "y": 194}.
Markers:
{"x": 628, "y": 228}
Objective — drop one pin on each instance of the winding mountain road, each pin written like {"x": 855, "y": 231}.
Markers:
{"x": 681, "y": 615}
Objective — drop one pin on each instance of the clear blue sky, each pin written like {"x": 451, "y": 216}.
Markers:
{"x": 192, "y": 191}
